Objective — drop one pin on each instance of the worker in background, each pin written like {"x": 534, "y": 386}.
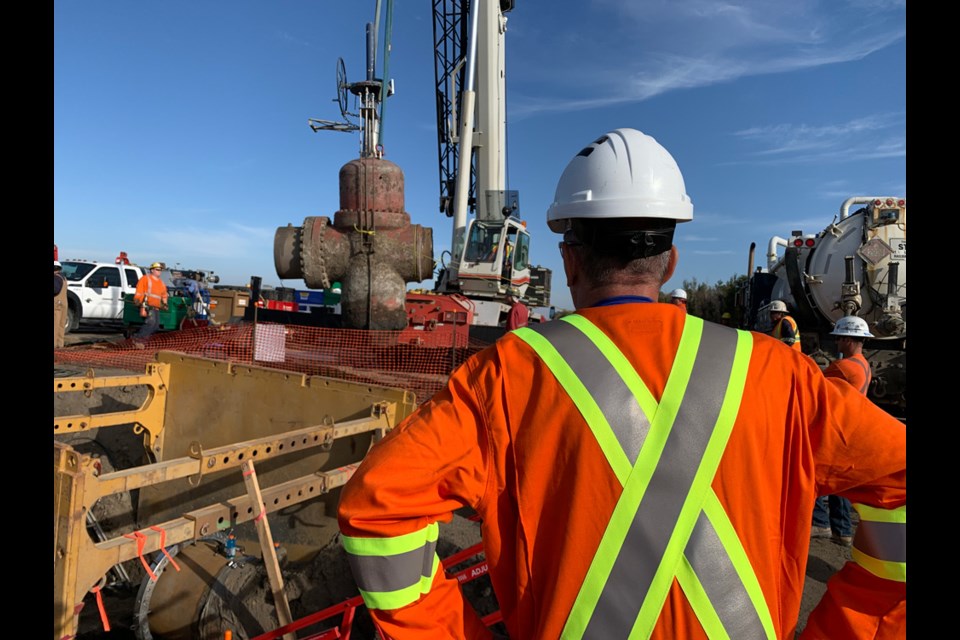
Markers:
{"x": 152, "y": 295}
{"x": 507, "y": 272}
{"x": 784, "y": 327}
{"x": 59, "y": 305}
{"x": 519, "y": 314}
{"x": 198, "y": 296}
{"x": 831, "y": 514}
{"x": 726, "y": 319}
{"x": 678, "y": 297}
{"x": 637, "y": 472}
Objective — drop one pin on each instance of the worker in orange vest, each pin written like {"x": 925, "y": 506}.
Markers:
{"x": 841, "y": 612}
{"x": 638, "y": 472}
{"x": 831, "y": 514}
{"x": 151, "y": 293}
{"x": 784, "y": 327}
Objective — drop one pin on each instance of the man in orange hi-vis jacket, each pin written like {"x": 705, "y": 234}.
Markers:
{"x": 639, "y": 472}
{"x": 152, "y": 294}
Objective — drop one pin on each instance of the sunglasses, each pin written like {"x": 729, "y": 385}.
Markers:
{"x": 563, "y": 243}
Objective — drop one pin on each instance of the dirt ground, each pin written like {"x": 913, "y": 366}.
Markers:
{"x": 311, "y": 582}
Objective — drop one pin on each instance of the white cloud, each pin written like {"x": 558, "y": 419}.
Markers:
{"x": 870, "y": 137}
{"x": 647, "y": 49}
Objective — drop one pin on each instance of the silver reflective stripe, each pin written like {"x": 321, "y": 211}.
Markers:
{"x": 627, "y": 420}
{"x": 885, "y": 541}
{"x": 658, "y": 513}
{"x": 395, "y": 572}
{"x": 719, "y": 579}
{"x": 429, "y": 555}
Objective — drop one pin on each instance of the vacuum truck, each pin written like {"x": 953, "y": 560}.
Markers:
{"x": 856, "y": 266}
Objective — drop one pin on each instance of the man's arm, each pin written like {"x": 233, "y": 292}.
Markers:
{"x": 141, "y": 290}
{"x": 434, "y": 463}
{"x": 861, "y": 455}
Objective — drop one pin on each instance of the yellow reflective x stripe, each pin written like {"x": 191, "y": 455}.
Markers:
{"x": 700, "y": 602}
{"x": 581, "y": 398}
{"x": 634, "y": 481}
{"x": 670, "y": 402}
{"x": 696, "y": 497}
{"x": 755, "y": 620}
{"x": 741, "y": 563}
{"x": 619, "y": 362}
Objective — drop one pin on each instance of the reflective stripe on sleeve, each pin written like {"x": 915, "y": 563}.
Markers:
{"x": 880, "y": 544}
{"x": 394, "y": 572}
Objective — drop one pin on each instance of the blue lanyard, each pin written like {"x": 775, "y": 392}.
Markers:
{"x": 609, "y": 302}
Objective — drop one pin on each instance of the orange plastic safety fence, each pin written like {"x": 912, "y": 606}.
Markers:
{"x": 388, "y": 358}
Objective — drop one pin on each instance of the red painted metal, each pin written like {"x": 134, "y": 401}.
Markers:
{"x": 348, "y": 608}
{"x": 437, "y": 320}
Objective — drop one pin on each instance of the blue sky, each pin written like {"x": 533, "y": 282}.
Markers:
{"x": 181, "y": 135}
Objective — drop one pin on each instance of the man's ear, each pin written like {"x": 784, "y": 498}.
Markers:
{"x": 570, "y": 257}
{"x": 671, "y": 264}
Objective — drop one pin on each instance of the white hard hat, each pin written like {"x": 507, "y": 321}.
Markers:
{"x": 678, "y": 293}
{"x": 778, "y": 305}
{"x": 57, "y": 265}
{"x": 852, "y": 326}
{"x": 623, "y": 174}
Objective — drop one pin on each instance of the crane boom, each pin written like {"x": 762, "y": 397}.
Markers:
{"x": 490, "y": 253}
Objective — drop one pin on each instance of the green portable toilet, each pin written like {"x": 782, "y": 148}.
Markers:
{"x": 178, "y": 307}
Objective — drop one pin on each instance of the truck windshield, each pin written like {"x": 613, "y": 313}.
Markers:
{"x": 75, "y": 271}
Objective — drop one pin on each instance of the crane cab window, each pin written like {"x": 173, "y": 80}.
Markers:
{"x": 522, "y": 253}
{"x": 483, "y": 243}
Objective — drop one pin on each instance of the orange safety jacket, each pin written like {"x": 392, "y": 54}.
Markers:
{"x": 586, "y": 535}
{"x": 151, "y": 289}
{"x": 787, "y": 332}
{"x": 855, "y": 370}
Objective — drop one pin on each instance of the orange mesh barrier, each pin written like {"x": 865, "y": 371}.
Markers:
{"x": 369, "y": 357}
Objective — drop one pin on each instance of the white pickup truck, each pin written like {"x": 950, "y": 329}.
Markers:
{"x": 95, "y": 291}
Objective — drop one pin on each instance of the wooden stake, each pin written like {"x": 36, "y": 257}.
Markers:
{"x": 266, "y": 547}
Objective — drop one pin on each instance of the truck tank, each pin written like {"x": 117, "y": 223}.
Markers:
{"x": 857, "y": 265}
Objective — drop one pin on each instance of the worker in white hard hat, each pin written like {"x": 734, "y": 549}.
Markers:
{"x": 831, "y": 514}
{"x": 784, "y": 326}
{"x": 60, "y": 315}
{"x": 518, "y": 315}
{"x": 678, "y": 297}
{"x": 637, "y": 472}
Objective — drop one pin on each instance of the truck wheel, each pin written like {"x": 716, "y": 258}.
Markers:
{"x": 73, "y": 319}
